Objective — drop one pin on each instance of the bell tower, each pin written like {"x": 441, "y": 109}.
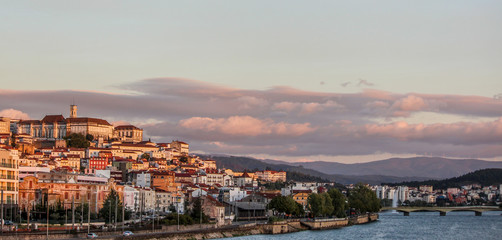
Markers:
{"x": 73, "y": 111}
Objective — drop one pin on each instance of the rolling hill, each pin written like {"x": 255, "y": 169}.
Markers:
{"x": 237, "y": 163}
{"x": 484, "y": 177}
{"x": 424, "y": 167}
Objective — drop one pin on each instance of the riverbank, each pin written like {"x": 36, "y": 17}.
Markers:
{"x": 280, "y": 227}
{"x": 211, "y": 232}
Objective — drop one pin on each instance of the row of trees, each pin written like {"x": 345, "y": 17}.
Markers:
{"x": 331, "y": 203}
{"x": 111, "y": 211}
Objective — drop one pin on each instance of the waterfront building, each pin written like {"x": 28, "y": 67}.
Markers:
{"x": 213, "y": 209}
{"x": 65, "y": 188}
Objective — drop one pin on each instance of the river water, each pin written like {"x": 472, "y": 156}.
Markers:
{"x": 423, "y": 225}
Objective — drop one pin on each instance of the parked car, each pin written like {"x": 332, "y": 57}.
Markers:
{"x": 7, "y": 222}
{"x": 92, "y": 235}
{"x": 127, "y": 233}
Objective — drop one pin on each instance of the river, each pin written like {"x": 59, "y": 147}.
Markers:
{"x": 422, "y": 225}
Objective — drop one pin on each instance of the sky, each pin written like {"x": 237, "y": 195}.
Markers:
{"x": 346, "y": 81}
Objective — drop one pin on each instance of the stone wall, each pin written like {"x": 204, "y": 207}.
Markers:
{"x": 326, "y": 223}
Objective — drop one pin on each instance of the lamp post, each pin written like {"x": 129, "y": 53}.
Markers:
{"x": 47, "y": 215}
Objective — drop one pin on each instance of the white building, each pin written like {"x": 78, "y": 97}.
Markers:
{"x": 143, "y": 179}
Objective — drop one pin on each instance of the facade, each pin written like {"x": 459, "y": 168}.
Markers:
{"x": 98, "y": 128}
{"x": 56, "y": 127}
{"x": 143, "y": 179}
{"x": 301, "y": 197}
{"x": 9, "y": 175}
{"x": 164, "y": 180}
{"x": 243, "y": 180}
{"x": 4, "y": 125}
{"x": 271, "y": 176}
{"x": 51, "y": 127}
{"x": 214, "y": 177}
{"x": 98, "y": 163}
{"x": 180, "y": 146}
{"x": 213, "y": 209}
{"x": 65, "y": 188}
{"x": 164, "y": 199}
{"x": 71, "y": 161}
{"x": 128, "y": 133}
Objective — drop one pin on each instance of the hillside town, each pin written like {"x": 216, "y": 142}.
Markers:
{"x": 91, "y": 165}
{"x": 40, "y": 165}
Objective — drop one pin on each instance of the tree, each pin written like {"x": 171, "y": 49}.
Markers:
{"x": 339, "y": 201}
{"x": 183, "y": 159}
{"x": 89, "y": 137}
{"x": 286, "y": 205}
{"x": 320, "y": 204}
{"x": 111, "y": 203}
{"x": 197, "y": 212}
{"x": 363, "y": 199}
{"x": 145, "y": 156}
{"x": 13, "y": 141}
{"x": 76, "y": 140}
{"x": 327, "y": 203}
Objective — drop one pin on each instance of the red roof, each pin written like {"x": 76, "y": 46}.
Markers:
{"x": 127, "y": 127}
{"x": 88, "y": 120}
{"x": 53, "y": 118}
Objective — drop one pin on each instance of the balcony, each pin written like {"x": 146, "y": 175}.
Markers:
{"x": 7, "y": 188}
{"x": 10, "y": 177}
{"x": 7, "y": 165}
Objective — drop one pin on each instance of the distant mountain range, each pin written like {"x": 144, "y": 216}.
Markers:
{"x": 423, "y": 167}
{"x": 484, "y": 177}
{"x": 392, "y": 170}
{"x": 251, "y": 164}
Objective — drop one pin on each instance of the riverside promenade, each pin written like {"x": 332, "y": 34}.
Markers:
{"x": 209, "y": 231}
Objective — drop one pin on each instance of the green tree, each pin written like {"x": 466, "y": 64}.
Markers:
{"x": 363, "y": 199}
{"x": 89, "y": 137}
{"x": 145, "y": 156}
{"x": 76, "y": 140}
{"x": 339, "y": 201}
{"x": 320, "y": 204}
{"x": 197, "y": 212}
{"x": 13, "y": 141}
{"x": 183, "y": 159}
{"x": 315, "y": 202}
{"x": 327, "y": 204}
{"x": 111, "y": 203}
{"x": 286, "y": 205}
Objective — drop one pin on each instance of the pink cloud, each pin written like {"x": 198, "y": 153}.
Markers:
{"x": 120, "y": 122}
{"x": 281, "y": 118}
{"x": 410, "y": 103}
{"x": 14, "y": 114}
{"x": 455, "y": 133}
{"x": 245, "y": 126}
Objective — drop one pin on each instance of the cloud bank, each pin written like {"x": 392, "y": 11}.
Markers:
{"x": 283, "y": 121}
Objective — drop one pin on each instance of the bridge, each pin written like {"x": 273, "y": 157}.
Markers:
{"x": 478, "y": 210}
